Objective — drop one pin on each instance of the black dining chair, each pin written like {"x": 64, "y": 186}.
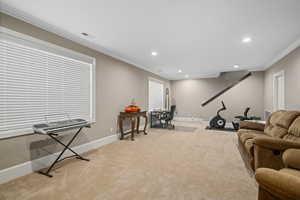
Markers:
{"x": 167, "y": 118}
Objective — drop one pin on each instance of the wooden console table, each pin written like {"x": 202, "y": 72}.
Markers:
{"x": 135, "y": 122}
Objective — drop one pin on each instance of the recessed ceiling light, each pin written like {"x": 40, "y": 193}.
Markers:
{"x": 84, "y": 34}
{"x": 186, "y": 76}
{"x": 236, "y": 66}
{"x": 247, "y": 39}
{"x": 154, "y": 53}
{"x": 179, "y": 71}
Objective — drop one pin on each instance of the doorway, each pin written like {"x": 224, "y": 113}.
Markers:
{"x": 278, "y": 91}
{"x": 156, "y": 94}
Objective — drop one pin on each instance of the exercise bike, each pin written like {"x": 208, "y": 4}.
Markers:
{"x": 218, "y": 122}
{"x": 245, "y": 117}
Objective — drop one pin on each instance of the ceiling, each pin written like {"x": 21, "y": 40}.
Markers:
{"x": 200, "y": 37}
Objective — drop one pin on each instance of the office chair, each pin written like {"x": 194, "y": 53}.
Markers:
{"x": 167, "y": 118}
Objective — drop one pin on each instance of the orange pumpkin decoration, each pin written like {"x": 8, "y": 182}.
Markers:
{"x": 132, "y": 108}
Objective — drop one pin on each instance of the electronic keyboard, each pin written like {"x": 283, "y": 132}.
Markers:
{"x": 60, "y": 126}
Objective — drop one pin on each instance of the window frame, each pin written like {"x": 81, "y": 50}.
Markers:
{"x": 42, "y": 45}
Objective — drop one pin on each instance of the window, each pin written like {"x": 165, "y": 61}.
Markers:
{"x": 156, "y": 94}
{"x": 37, "y": 80}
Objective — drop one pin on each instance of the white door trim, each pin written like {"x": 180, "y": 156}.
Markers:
{"x": 275, "y": 76}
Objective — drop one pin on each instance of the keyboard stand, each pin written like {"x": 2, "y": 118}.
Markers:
{"x": 66, "y": 146}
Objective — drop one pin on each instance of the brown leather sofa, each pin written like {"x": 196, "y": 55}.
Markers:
{"x": 283, "y": 184}
{"x": 262, "y": 145}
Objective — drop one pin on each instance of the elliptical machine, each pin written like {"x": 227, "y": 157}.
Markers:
{"x": 218, "y": 122}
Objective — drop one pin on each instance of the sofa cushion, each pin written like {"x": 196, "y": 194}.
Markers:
{"x": 275, "y": 131}
{"x": 275, "y": 117}
{"x": 294, "y": 131}
{"x": 279, "y": 123}
{"x": 287, "y": 118}
{"x": 292, "y": 138}
{"x": 271, "y": 122}
{"x": 295, "y": 128}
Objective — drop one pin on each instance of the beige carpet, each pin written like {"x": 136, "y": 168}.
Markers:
{"x": 168, "y": 165}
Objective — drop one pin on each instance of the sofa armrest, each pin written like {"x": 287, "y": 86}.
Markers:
{"x": 278, "y": 183}
{"x": 291, "y": 158}
{"x": 252, "y": 125}
{"x": 275, "y": 143}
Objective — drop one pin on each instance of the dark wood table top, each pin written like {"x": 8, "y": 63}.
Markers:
{"x": 132, "y": 114}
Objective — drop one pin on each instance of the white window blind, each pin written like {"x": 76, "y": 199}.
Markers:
{"x": 35, "y": 83}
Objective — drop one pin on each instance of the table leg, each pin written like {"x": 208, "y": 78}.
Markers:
{"x": 146, "y": 122}
{"x": 138, "y": 125}
{"x": 121, "y": 128}
{"x": 151, "y": 119}
{"x": 132, "y": 128}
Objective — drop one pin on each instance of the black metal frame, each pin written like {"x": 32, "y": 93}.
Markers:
{"x": 159, "y": 116}
{"x": 155, "y": 118}
{"x": 66, "y": 146}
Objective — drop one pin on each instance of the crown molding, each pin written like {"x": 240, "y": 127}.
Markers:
{"x": 75, "y": 38}
{"x": 282, "y": 54}
{"x": 70, "y": 36}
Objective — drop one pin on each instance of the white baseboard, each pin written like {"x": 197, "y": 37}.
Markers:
{"x": 34, "y": 165}
{"x": 188, "y": 119}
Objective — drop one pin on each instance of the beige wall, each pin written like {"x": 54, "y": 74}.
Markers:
{"x": 117, "y": 83}
{"x": 291, "y": 67}
{"x": 189, "y": 94}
